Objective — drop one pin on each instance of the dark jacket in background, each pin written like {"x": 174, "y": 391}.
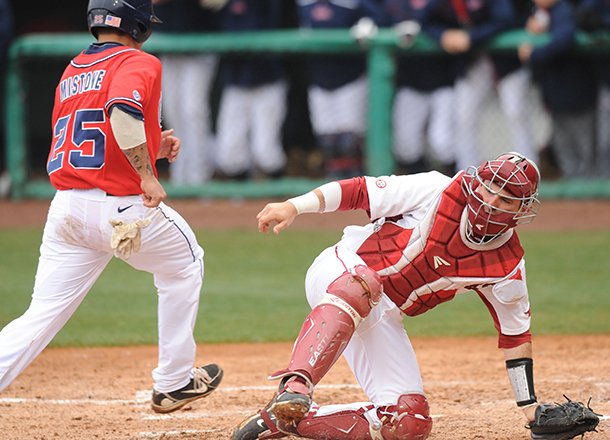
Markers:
{"x": 420, "y": 72}
{"x": 335, "y": 70}
{"x": 485, "y": 19}
{"x": 247, "y": 70}
{"x": 566, "y": 79}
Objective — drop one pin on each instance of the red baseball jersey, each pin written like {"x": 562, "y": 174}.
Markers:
{"x": 84, "y": 152}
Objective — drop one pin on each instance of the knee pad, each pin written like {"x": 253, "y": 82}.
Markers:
{"x": 356, "y": 292}
{"x": 409, "y": 419}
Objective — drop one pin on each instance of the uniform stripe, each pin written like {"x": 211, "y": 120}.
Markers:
{"x": 93, "y": 63}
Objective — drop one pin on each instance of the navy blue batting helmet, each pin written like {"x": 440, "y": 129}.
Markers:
{"x": 134, "y": 17}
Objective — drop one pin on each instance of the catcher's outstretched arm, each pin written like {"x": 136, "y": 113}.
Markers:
{"x": 520, "y": 369}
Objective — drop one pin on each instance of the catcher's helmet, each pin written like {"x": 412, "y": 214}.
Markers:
{"x": 516, "y": 178}
{"x": 134, "y": 17}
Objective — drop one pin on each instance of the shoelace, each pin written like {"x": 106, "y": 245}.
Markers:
{"x": 201, "y": 379}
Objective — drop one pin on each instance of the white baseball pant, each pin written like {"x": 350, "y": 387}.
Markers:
{"x": 76, "y": 249}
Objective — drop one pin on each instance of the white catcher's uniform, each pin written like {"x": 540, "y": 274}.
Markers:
{"x": 76, "y": 249}
{"x": 411, "y": 212}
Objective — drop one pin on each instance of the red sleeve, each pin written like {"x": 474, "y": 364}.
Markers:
{"x": 354, "y": 194}
{"x": 134, "y": 82}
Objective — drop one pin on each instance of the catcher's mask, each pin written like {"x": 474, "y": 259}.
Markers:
{"x": 510, "y": 175}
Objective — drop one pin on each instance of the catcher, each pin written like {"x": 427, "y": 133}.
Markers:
{"x": 431, "y": 237}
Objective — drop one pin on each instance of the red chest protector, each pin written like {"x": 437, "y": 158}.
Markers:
{"x": 445, "y": 261}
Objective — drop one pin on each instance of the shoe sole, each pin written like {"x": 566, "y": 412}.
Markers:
{"x": 180, "y": 403}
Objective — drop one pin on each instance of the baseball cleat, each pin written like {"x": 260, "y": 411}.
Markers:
{"x": 256, "y": 428}
{"x": 289, "y": 409}
{"x": 205, "y": 380}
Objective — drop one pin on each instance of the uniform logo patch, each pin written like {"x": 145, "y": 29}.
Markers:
{"x": 136, "y": 95}
{"x": 98, "y": 19}
{"x": 381, "y": 183}
{"x": 438, "y": 261}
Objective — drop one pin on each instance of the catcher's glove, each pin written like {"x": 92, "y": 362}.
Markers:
{"x": 563, "y": 421}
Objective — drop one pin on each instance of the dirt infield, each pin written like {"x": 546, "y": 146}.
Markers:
{"x": 94, "y": 393}
{"x": 103, "y": 393}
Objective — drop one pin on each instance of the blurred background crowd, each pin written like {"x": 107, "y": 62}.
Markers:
{"x": 265, "y": 116}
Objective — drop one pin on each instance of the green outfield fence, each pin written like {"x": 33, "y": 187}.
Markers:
{"x": 380, "y": 52}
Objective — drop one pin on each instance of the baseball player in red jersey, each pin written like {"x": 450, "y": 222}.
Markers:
{"x": 431, "y": 237}
{"x": 106, "y": 139}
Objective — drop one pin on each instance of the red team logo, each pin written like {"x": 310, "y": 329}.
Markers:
{"x": 380, "y": 183}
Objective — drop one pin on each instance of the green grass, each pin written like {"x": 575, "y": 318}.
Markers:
{"x": 253, "y": 290}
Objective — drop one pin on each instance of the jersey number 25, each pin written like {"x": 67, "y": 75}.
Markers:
{"x": 81, "y": 133}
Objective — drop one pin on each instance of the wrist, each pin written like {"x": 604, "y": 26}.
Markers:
{"x": 308, "y": 202}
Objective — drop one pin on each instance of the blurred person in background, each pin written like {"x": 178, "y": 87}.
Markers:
{"x": 338, "y": 90}
{"x": 253, "y": 103}
{"x": 567, "y": 83}
{"x": 423, "y": 104}
{"x": 6, "y": 33}
{"x": 187, "y": 82}
{"x": 592, "y": 16}
{"x": 462, "y": 28}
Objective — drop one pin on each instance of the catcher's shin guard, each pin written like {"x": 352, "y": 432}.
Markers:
{"x": 322, "y": 339}
{"x": 330, "y": 325}
{"x": 408, "y": 419}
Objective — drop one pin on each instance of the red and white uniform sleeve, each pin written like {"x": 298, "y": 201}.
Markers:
{"x": 390, "y": 196}
{"x": 509, "y": 305}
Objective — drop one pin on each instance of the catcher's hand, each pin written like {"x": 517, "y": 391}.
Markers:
{"x": 563, "y": 421}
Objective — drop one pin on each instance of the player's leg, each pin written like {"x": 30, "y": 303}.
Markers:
{"x": 171, "y": 253}
{"x": 187, "y": 80}
{"x": 234, "y": 124}
{"x": 66, "y": 271}
{"x": 382, "y": 358}
{"x": 470, "y": 92}
{"x": 513, "y": 92}
{"x": 342, "y": 291}
{"x": 410, "y": 114}
{"x": 603, "y": 132}
{"x": 351, "y": 111}
{"x": 269, "y": 112}
{"x": 441, "y": 129}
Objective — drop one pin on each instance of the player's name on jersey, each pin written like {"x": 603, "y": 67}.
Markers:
{"x": 81, "y": 83}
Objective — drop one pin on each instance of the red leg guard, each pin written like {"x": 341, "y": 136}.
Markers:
{"x": 409, "y": 419}
{"x": 330, "y": 325}
{"x": 342, "y": 425}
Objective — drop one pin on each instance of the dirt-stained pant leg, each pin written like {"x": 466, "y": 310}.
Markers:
{"x": 66, "y": 271}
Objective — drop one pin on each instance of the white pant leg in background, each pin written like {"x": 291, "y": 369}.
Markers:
{"x": 340, "y": 110}
{"x": 268, "y": 114}
{"x": 233, "y": 131}
{"x": 441, "y": 127}
{"x": 513, "y": 92}
{"x": 380, "y": 353}
{"x": 410, "y": 114}
{"x": 603, "y": 132}
{"x": 187, "y": 81}
{"x": 470, "y": 92}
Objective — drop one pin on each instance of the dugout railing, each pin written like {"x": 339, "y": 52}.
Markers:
{"x": 379, "y": 50}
